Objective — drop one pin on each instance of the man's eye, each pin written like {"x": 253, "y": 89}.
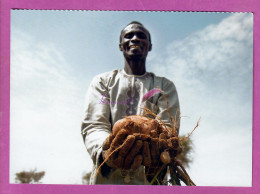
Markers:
{"x": 141, "y": 35}
{"x": 129, "y": 35}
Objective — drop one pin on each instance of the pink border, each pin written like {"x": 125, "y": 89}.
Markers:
{"x": 142, "y": 5}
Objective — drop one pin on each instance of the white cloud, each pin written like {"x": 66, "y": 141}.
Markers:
{"x": 46, "y": 111}
{"x": 213, "y": 72}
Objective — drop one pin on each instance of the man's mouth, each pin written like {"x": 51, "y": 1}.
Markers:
{"x": 134, "y": 46}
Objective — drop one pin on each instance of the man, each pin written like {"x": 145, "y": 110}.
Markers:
{"x": 119, "y": 93}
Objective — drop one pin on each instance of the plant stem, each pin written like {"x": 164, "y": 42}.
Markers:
{"x": 158, "y": 172}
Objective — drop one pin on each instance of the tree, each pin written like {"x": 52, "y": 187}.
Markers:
{"x": 86, "y": 178}
{"x": 29, "y": 177}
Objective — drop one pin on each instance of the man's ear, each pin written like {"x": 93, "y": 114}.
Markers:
{"x": 120, "y": 47}
{"x": 150, "y": 47}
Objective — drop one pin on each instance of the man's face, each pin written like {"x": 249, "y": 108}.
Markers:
{"x": 135, "y": 42}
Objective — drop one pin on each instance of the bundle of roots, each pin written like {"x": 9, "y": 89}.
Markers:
{"x": 140, "y": 140}
{"x": 148, "y": 142}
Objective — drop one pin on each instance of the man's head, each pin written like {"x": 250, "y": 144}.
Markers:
{"x": 135, "y": 41}
{"x": 137, "y": 23}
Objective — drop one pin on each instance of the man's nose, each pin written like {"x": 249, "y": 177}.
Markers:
{"x": 135, "y": 38}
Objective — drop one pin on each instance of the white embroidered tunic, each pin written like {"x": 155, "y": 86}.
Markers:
{"x": 113, "y": 95}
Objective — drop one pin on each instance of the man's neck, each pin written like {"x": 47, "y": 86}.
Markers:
{"x": 135, "y": 67}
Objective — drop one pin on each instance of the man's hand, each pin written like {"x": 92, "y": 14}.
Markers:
{"x": 126, "y": 151}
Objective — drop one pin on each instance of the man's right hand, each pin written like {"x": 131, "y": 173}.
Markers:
{"x": 126, "y": 151}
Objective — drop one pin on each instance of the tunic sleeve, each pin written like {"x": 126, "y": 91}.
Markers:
{"x": 170, "y": 92}
{"x": 96, "y": 125}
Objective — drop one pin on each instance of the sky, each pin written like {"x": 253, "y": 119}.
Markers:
{"x": 55, "y": 55}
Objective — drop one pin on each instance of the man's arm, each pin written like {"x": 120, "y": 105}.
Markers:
{"x": 171, "y": 94}
{"x": 96, "y": 125}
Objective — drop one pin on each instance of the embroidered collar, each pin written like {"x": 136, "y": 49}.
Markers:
{"x": 128, "y": 75}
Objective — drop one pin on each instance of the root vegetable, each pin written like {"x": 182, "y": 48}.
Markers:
{"x": 137, "y": 162}
{"x": 118, "y": 162}
{"x": 153, "y": 134}
{"x": 165, "y": 157}
{"x": 163, "y": 144}
{"x": 130, "y": 157}
{"x": 173, "y": 143}
{"x": 143, "y": 137}
{"x": 127, "y": 145}
{"x": 146, "y": 154}
{"x": 155, "y": 153}
{"x": 136, "y": 124}
{"x": 119, "y": 139}
{"x": 108, "y": 141}
{"x": 162, "y": 136}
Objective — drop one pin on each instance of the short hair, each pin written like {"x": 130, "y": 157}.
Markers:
{"x": 138, "y": 23}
